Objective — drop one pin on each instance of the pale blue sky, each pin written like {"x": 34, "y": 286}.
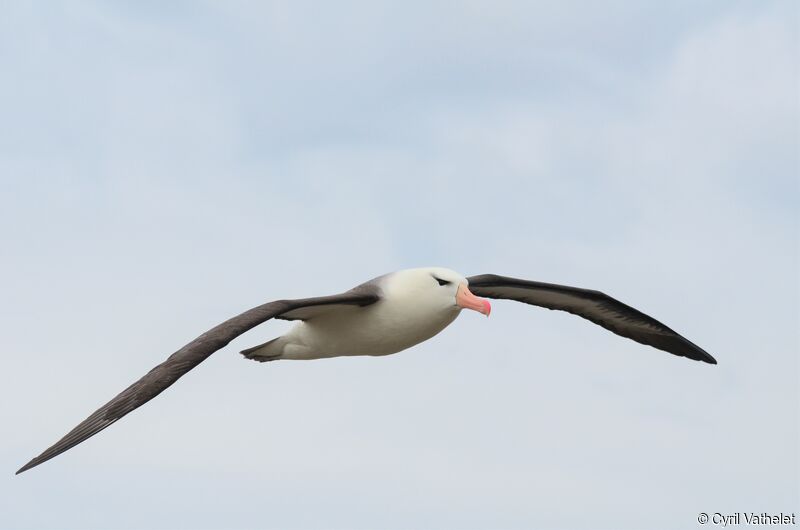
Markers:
{"x": 165, "y": 166}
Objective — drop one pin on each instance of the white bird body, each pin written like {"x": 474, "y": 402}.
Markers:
{"x": 408, "y": 313}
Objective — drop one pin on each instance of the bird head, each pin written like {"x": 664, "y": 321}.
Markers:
{"x": 437, "y": 287}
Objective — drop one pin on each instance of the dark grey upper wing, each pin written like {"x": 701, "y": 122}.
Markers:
{"x": 591, "y": 305}
{"x": 183, "y": 360}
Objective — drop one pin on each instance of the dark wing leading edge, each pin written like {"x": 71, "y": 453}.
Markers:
{"x": 183, "y": 360}
{"x": 591, "y": 305}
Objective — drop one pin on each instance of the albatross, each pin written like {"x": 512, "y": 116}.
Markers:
{"x": 382, "y": 316}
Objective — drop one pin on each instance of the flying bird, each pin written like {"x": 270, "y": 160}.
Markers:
{"x": 382, "y": 316}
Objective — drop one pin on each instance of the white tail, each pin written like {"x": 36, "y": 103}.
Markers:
{"x": 269, "y": 351}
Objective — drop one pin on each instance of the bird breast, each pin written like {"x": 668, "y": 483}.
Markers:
{"x": 386, "y": 327}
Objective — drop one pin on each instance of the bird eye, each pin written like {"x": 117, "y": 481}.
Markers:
{"x": 441, "y": 281}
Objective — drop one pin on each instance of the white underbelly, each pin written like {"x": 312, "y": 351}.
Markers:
{"x": 379, "y": 329}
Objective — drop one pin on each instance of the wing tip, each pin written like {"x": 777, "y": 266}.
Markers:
{"x": 709, "y": 359}
{"x": 32, "y": 463}
{"x": 696, "y": 353}
{"x": 700, "y": 354}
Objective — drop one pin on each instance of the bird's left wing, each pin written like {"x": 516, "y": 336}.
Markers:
{"x": 594, "y": 306}
{"x": 183, "y": 360}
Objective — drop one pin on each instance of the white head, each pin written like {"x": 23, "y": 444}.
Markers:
{"x": 435, "y": 289}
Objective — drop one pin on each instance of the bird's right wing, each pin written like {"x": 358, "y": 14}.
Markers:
{"x": 183, "y": 360}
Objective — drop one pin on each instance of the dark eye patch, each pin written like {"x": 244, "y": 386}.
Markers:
{"x": 441, "y": 281}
